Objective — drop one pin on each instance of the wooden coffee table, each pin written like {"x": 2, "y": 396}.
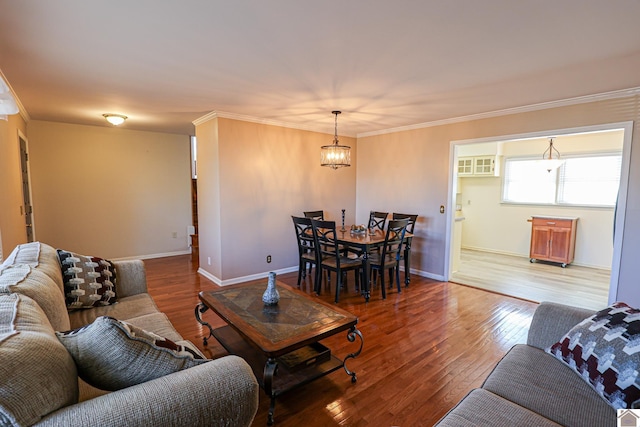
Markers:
{"x": 281, "y": 342}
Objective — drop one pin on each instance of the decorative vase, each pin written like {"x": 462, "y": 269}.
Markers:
{"x": 271, "y": 295}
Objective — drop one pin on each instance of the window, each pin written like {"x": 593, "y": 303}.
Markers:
{"x": 584, "y": 181}
{"x": 525, "y": 181}
{"x": 590, "y": 180}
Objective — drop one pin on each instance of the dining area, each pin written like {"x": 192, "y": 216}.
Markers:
{"x": 371, "y": 251}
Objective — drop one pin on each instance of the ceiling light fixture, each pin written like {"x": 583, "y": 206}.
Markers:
{"x": 115, "y": 119}
{"x": 8, "y": 105}
{"x": 551, "y": 157}
{"x": 335, "y": 155}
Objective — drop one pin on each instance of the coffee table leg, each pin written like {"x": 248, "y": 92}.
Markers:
{"x": 201, "y": 308}
{"x": 351, "y": 336}
{"x": 270, "y": 369}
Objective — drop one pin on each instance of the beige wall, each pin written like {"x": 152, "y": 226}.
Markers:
{"x": 424, "y": 168}
{"x": 252, "y": 178}
{"x": 407, "y": 172}
{"x": 108, "y": 191}
{"x": 209, "y": 209}
{"x": 261, "y": 175}
{"x": 12, "y": 224}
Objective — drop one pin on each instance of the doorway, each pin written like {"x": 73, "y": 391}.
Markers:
{"x": 27, "y": 209}
{"x": 497, "y": 228}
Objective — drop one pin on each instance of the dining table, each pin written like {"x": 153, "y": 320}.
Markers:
{"x": 364, "y": 242}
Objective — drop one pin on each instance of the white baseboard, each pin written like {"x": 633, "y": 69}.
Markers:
{"x": 152, "y": 256}
{"x": 256, "y": 276}
{"x": 426, "y": 274}
{"x": 209, "y": 276}
{"x": 243, "y": 279}
{"x": 491, "y": 251}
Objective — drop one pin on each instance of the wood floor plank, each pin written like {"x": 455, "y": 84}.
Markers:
{"x": 424, "y": 349}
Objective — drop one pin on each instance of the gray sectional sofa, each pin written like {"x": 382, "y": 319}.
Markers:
{"x": 530, "y": 387}
{"x": 39, "y": 382}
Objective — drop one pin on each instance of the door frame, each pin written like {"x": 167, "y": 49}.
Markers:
{"x": 23, "y": 137}
{"x": 622, "y": 190}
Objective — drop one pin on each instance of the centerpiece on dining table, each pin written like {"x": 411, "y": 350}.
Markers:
{"x": 358, "y": 229}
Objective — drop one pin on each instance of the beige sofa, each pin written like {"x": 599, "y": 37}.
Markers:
{"x": 39, "y": 383}
{"x": 530, "y": 387}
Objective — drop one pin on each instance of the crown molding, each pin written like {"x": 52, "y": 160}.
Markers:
{"x": 225, "y": 115}
{"x": 209, "y": 116}
{"x": 624, "y": 93}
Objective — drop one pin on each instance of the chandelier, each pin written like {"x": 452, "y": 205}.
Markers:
{"x": 551, "y": 157}
{"x": 335, "y": 155}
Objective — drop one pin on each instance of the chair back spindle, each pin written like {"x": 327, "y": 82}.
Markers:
{"x": 330, "y": 254}
{"x": 407, "y": 247}
{"x": 378, "y": 219}
{"x": 389, "y": 258}
{"x": 307, "y": 253}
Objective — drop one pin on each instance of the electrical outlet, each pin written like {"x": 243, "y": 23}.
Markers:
{"x": 209, "y": 260}
{"x": 174, "y": 234}
{"x": 268, "y": 259}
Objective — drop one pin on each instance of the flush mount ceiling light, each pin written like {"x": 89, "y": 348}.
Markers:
{"x": 8, "y": 105}
{"x": 335, "y": 155}
{"x": 115, "y": 119}
{"x": 551, "y": 157}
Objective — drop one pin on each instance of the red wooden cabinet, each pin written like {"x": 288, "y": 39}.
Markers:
{"x": 553, "y": 239}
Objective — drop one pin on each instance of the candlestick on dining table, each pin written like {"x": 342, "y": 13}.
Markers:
{"x": 343, "y": 229}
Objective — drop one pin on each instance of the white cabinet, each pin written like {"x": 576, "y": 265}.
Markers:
{"x": 483, "y": 165}
{"x": 465, "y": 166}
{"x": 478, "y": 166}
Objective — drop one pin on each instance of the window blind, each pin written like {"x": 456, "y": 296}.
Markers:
{"x": 592, "y": 180}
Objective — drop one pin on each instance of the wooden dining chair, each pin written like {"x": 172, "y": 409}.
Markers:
{"x": 307, "y": 253}
{"x": 378, "y": 220}
{"x": 331, "y": 258}
{"x": 389, "y": 257}
{"x": 406, "y": 254}
{"x": 314, "y": 215}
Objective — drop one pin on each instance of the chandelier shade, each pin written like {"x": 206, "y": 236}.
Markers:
{"x": 335, "y": 155}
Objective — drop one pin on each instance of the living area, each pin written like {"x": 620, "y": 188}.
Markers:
{"x": 124, "y": 192}
{"x": 431, "y": 351}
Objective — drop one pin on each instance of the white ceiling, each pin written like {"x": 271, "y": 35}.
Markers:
{"x": 384, "y": 64}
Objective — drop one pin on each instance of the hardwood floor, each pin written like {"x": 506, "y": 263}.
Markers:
{"x": 424, "y": 349}
{"x": 538, "y": 281}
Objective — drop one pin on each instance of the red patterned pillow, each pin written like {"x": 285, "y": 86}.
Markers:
{"x": 604, "y": 350}
{"x": 88, "y": 281}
